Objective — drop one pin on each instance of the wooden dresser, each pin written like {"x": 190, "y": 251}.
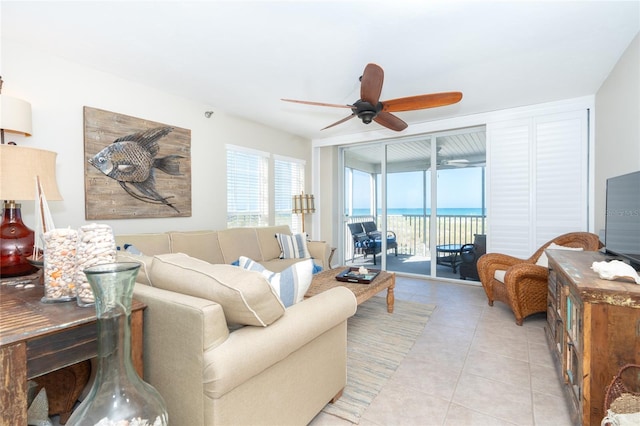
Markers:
{"x": 593, "y": 329}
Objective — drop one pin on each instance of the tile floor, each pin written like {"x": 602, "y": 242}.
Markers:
{"x": 472, "y": 366}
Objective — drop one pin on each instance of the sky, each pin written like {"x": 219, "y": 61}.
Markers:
{"x": 457, "y": 188}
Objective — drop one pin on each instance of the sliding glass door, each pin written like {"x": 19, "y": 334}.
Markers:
{"x": 390, "y": 189}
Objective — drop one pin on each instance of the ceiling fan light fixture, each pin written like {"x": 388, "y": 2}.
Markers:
{"x": 367, "y": 116}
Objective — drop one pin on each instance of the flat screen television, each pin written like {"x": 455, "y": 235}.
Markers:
{"x": 622, "y": 223}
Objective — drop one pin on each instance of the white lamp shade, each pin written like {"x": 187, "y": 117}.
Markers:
{"x": 19, "y": 167}
{"x": 15, "y": 115}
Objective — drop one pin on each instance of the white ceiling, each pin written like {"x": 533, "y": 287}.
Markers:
{"x": 242, "y": 57}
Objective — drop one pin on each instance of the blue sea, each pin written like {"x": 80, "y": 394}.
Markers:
{"x": 419, "y": 212}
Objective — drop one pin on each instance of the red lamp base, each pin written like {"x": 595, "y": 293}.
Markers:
{"x": 16, "y": 243}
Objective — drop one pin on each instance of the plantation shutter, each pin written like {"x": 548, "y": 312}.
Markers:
{"x": 508, "y": 187}
{"x": 247, "y": 187}
{"x": 537, "y": 181}
{"x": 288, "y": 181}
{"x": 561, "y": 175}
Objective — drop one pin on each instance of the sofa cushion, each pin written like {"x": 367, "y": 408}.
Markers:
{"x": 246, "y": 297}
{"x": 291, "y": 284}
{"x": 293, "y": 246}
{"x": 199, "y": 244}
{"x": 144, "y": 261}
{"x": 148, "y": 244}
{"x": 236, "y": 242}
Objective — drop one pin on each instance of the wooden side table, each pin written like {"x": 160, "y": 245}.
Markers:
{"x": 37, "y": 338}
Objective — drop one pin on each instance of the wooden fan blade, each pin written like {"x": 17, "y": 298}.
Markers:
{"x": 317, "y": 103}
{"x": 390, "y": 121}
{"x": 371, "y": 84}
{"x": 340, "y": 121}
{"x": 412, "y": 103}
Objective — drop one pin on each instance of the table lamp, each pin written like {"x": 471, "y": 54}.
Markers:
{"x": 19, "y": 167}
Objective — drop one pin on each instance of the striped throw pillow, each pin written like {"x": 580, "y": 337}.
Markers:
{"x": 293, "y": 246}
{"x": 290, "y": 285}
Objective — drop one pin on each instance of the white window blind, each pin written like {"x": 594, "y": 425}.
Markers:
{"x": 247, "y": 187}
{"x": 288, "y": 181}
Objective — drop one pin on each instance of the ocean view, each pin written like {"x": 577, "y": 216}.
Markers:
{"x": 418, "y": 212}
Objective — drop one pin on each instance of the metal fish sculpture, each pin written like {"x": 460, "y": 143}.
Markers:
{"x": 130, "y": 160}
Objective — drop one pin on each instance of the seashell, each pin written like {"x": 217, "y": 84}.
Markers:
{"x": 615, "y": 269}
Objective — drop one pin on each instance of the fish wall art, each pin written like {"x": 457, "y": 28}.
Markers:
{"x": 135, "y": 168}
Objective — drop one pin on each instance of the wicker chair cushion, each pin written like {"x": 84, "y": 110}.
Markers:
{"x": 544, "y": 262}
{"x": 499, "y": 275}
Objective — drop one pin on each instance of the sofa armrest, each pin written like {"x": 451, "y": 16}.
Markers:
{"x": 178, "y": 330}
{"x": 320, "y": 251}
{"x": 251, "y": 350}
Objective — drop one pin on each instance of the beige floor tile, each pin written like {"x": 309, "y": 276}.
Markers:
{"x": 432, "y": 378}
{"x": 508, "y": 402}
{"x": 459, "y": 415}
{"x": 550, "y": 410}
{"x": 499, "y": 368}
{"x": 539, "y": 353}
{"x": 400, "y": 405}
{"x": 545, "y": 380}
{"x": 488, "y": 341}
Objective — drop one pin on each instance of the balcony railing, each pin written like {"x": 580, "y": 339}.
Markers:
{"x": 412, "y": 231}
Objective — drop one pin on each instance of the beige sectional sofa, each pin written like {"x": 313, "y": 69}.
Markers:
{"x": 226, "y": 246}
{"x": 208, "y": 364}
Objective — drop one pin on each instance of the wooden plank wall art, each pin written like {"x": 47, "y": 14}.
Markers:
{"x": 135, "y": 168}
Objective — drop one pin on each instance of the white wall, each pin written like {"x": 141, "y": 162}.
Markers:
{"x": 617, "y": 125}
{"x": 58, "y": 89}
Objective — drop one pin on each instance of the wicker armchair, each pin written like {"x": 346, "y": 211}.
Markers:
{"x": 525, "y": 284}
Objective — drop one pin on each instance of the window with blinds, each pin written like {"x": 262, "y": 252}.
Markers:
{"x": 288, "y": 181}
{"x": 247, "y": 187}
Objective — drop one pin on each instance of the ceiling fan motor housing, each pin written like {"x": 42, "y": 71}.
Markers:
{"x": 365, "y": 111}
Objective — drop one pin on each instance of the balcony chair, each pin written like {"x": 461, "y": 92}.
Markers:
{"x": 522, "y": 283}
{"x": 469, "y": 255}
{"x": 360, "y": 238}
{"x": 368, "y": 240}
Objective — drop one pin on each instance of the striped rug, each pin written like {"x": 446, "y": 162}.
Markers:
{"x": 377, "y": 342}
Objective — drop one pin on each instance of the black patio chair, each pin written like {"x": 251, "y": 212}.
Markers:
{"x": 372, "y": 231}
{"x": 469, "y": 255}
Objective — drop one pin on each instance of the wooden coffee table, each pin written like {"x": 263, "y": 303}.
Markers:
{"x": 325, "y": 280}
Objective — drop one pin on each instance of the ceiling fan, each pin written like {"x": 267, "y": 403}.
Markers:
{"x": 460, "y": 163}
{"x": 369, "y": 107}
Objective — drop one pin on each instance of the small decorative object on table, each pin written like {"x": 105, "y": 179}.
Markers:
{"x": 96, "y": 245}
{"x": 118, "y": 395}
{"x": 59, "y": 265}
{"x": 358, "y": 275}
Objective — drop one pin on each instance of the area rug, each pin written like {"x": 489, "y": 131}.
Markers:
{"x": 377, "y": 342}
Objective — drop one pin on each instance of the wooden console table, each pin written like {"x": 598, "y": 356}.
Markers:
{"x": 593, "y": 329}
{"x": 37, "y": 338}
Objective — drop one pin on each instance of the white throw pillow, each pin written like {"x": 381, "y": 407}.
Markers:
{"x": 293, "y": 246}
{"x": 544, "y": 261}
{"x": 291, "y": 284}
